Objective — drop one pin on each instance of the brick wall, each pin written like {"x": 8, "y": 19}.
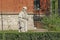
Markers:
{"x": 16, "y": 5}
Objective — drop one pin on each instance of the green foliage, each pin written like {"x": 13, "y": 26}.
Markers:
{"x": 31, "y": 36}
{"x": 1, "y": 37}
{"x": 52, "y": 22}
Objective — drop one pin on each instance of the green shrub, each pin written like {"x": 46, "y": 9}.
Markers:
{"x": 52, "y": 22}
{"x": 31, "y": 36}
{"x": 1, "y": 36}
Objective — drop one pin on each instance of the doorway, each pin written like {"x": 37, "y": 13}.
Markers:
{"x": 41, "y": 7}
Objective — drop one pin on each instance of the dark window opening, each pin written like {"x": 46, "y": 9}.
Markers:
{"x": 37, "y": 9}
{"x": 37, "y": 4}
{"x": 59, "y": 6}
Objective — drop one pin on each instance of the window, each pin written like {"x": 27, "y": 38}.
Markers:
{"x": 59, "y": 6}
{"x": 36, "y": 4}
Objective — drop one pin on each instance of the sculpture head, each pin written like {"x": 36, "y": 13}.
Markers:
{"x": 25, "y": 8}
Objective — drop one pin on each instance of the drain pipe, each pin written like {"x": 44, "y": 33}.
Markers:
{"x": 1, "y": 17}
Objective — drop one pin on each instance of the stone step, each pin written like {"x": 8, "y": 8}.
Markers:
{"x": 39, "y": 30}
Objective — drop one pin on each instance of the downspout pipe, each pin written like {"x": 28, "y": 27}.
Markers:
{"x": 1, "y": 17}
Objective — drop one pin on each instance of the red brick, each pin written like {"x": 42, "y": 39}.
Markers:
{"x": 16, "y": 5}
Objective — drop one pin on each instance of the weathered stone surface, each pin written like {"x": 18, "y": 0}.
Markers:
{"x": 10, "y": 22}
{"x": 30, "y": 22}
{"x": 0, "y": 23}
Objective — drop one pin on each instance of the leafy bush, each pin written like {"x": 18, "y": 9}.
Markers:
{"x": 31, "y": 36}
{"x": 1, "y": 36}
{"x": 52, "y": 22}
